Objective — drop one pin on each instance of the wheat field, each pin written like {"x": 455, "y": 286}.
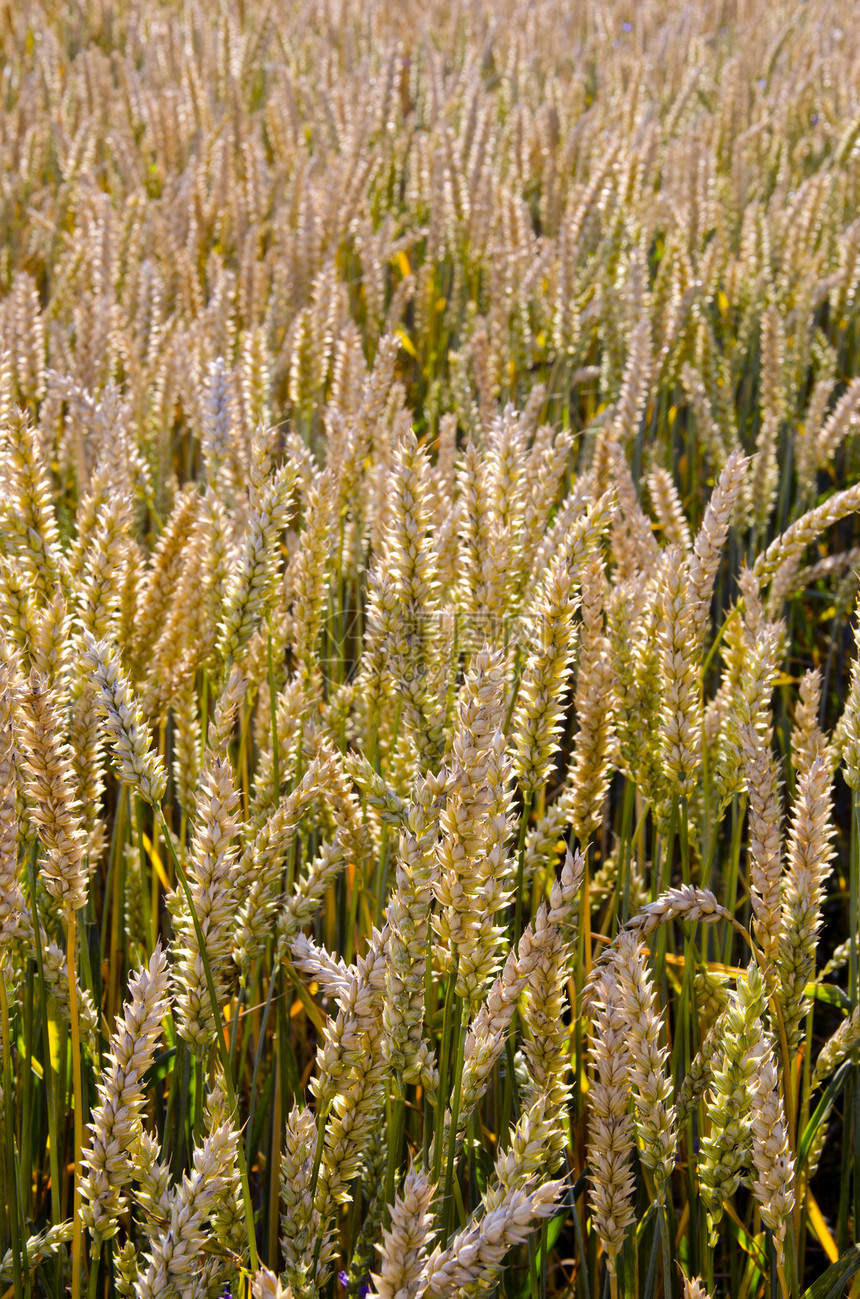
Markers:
{"x": 429, "y": 677}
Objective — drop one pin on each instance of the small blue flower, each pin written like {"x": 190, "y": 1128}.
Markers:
{"x": 364, "y": 1290}
{"x": 762, "y": 83}
{"x": 814, "y": 119}
{"x": 344, "y": 1280}
{"x": 627, "y": 27}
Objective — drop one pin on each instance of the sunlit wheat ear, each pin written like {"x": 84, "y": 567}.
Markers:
{"x": 185, "y": 639}
{"x": 18, "y": 609}
{"x": 752, "y": 655}
{"x": 155, "y": 588}
{"x": 403, "y": 1252}
{"x": 725, "y": 1152}
{"x": 475, "y": 1255}
{"x": 347, "y": 1137}
{"x": 99, "y": 604}
{"x": 765, "y": 838}
{"x": 472, "y": 883}
{"x": 50, "y": 644}
{"x": 799, "y": 535}
{"x": 260, "y": 867}
{"x": 705, "y": 1061}
{"x": 685, "y": 903}
{"x": 116, "y": 1124}
{"x": 403, "y": 618}
{"x": 652, "y": 1087}
{"x": 211, "y": 872}
{"x": 505, "y": 478}
{"x": 12, "y": 901}
{"x": 488, "y": 1029}
{"x": 251, "y": 588}
{"x": 681, "y": 710}
{"x": 29, "y": 520}
{"x": 634, "y": 547}
{"x": 49, "y": 787}
{"x": 592, "y": 761}
{"x": 610, "y": 1131}
{"x": 546, "y": 1046}
{"x": 408, "y": 917}
{"x": 773, "y": 1186}
{"x": 540, "y": 703}
{"x": 667, "y": 506}
{"x": 138, "y": 767}
{"x": 266, "y": 1285}
{"x": 354, "y": 1031}
{"x": 175, "y": 1252}
{"x": 41, "y": 1247}
{"x": 711, "y": 539}
{"x": 299, "y": 1219}
{"x": 808, "y": 741}
{"x": 837, "y": 1048}
{"x": 847, "y": 737}
{"x": 56, "y": 972}
{"x": 810, "y": 853}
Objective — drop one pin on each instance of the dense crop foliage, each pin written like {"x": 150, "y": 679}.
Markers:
{"x": 429, "y": 713}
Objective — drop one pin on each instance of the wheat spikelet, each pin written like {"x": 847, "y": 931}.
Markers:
{"x": 610, "y": 1139}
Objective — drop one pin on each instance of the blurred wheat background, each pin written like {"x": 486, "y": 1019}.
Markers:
{"x": 429, "y": 698}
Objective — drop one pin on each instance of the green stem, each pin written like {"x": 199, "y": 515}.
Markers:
{"x": 460, "y": 1031}
{"x": 684, "y": 840}
{"x": 94, "y": 1272}
{"x": 625, "y": 853}
{"x": 198, "y": 1098}
{"x": 318, "y": 1153}
{"x": 731, "y": 888}
{"x": 258, "y": 1056}
{"x": 77, "y": 1086}
{"x": 47, "y": 1063}
{"x": 854, "y": 982}
{"x": 219, "y": 1037}
{"x": 204, "y": 714}
{"x": 528, "y": 796}
{"x": 666, "y": 1251}
{"x": 9, "y": 1124}
{"x": 439, "y": 1127}
{"x": 381, "y": 876}
{"x": 273, "y": 708}
{"x": 515, "y": 692}
{"x": 397, "y": 1123}
{"x": 321, "y": 1118}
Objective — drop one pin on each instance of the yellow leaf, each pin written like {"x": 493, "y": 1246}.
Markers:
{"x": 403, "y": 264}
{"x": 820, "y": 1228}
{"x": 311, "y": 1009}
{"x": 723, "y": 303}
{"x": 53, "y": 1035}
{"x": 441, "y": 304}
{"x": 156, "y": 861}
{"x": 407, "y": 344}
